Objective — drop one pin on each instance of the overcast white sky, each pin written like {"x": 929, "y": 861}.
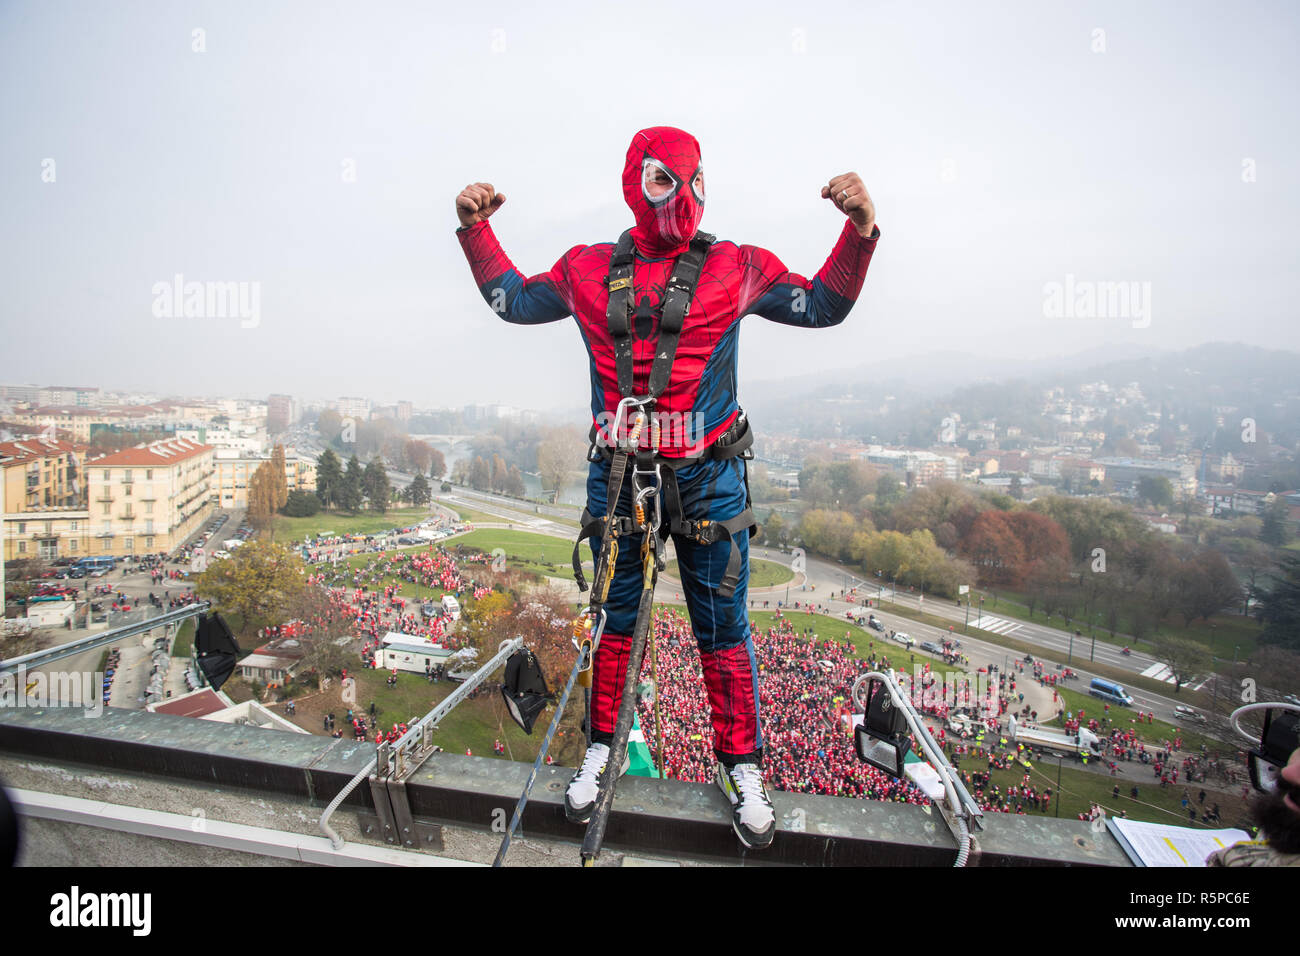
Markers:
{"x": 1002, "y": 150}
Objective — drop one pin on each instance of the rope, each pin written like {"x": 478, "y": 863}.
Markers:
{"x": 537, "y": 764}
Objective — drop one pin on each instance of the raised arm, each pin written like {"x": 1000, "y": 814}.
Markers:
{"x": 777, "y": 294}
{"x": 525, "y": 301}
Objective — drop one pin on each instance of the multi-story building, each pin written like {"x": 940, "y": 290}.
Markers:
{"x": 355, "y": 408}
{"x": 43, "y": 497}
{"x": 234, "y": 473}
{"x": 918, "y": 467}
{"x": 279, "y": 413}
{"x": 150, "y": 498}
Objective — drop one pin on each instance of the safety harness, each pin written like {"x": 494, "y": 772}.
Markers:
{"x": 635, "y": 412}
{"x": 654, "y": 487}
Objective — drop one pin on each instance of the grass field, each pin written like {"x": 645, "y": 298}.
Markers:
{"x": 472, "y": 515}
{"x": 1152, "y": 734}
{"x": 525, "y": 550}
{"x": 183, "y": 646}
{"x": 1226, "y": 635}
{"x": 1080, "y": 789}
{"x": 365, "y": 522}
{"x": 1190, "y": 697}
{"x": 474, "y": 724}
{"x": 762, "y": 574}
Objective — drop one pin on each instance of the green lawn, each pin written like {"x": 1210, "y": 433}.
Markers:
{"x": 762, "y": 574}
{"x": 539, "y": 553}
{"x": 365, "y": 522}
{"x": 472, "y": 515}
{"x": 183, "y": 646}
{"x": 1152, "y": 734}
{"x": 474, "y": 723}
{"x": 1080, "y": 789}
{"x": 1224, "y": 634}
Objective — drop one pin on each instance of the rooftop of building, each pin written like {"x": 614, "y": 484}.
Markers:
{"x": 165, "y": 452}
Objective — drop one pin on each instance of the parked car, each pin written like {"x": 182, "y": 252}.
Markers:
{"x": 931, "y": 647}
{"x": 874, "y": 623}
{"x": 903, "y": 639}
{"x": 221, "y": 553}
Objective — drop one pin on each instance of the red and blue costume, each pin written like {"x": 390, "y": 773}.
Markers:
{"x": 736, "y": 280}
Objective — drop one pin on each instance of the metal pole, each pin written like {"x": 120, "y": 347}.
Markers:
{"x": 1058, "y": 785}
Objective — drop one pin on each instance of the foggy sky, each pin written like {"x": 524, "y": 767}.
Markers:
{"x": 1002, "y": 151}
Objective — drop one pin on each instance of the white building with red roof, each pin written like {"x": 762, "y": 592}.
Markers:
{"x": 150, "y": 498}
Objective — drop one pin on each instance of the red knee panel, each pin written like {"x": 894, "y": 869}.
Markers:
{"x": 608, "y": 673}
{"x": 730, "y": 682}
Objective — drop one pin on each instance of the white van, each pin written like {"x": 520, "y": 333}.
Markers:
{"x": 451, "y": 607}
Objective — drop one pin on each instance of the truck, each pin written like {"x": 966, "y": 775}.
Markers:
{"x": 1085, "y": 741}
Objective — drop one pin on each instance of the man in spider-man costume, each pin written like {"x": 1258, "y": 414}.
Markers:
{"x": 663, "y": 184}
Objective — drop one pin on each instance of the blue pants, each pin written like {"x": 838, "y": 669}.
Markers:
{"x": 713, "y": 490}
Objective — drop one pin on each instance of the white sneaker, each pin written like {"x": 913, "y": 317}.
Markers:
{"x": 584, "y": 788}
{"x": 752, "y": 816}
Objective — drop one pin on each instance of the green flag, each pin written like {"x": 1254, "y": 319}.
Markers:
{"x": 641, "y": 762}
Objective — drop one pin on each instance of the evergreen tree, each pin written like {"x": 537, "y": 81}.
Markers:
{"x": 351, "y": 491}
{"x": 1274, "y": 530}
{"x": 1281, "y": 606}
{"x": 376, "y": 485}
{"x": 418, "y": 492}
{"x": 329, "y": 477}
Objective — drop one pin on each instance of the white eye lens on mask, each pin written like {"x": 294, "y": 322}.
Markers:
{"x": 657, "y": 181}
{"x": 697, "y": 184}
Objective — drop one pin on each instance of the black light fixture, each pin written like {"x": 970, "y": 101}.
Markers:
{"x": 881, "y": 739}
{"x": 215, "y": 649}
{"x": 524, "y": 689}
{"x": 1278, "y": 740}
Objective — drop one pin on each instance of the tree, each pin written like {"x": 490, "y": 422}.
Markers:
{"x": 1016, "y": 488}
{"x": 351, "y": 490}
{"x": 1281, "y": 606}
{"x": 1184, "y": 658}
{"x": 301, "y": 504}
{"x": 280, "y": 484}
{"x": 498, "y": 474}
{"x": 437, "y": 463}
{"x": 1204, "y": 586}
{"x": 417, "y": 455}
{"x": 557, "y": 454}
{"x": 261, "y": 582}
{"x": 329, "y": 425}
{"x": 329, "y": 477}
{"x": 262, "y": 498}
{"x": 480, "y": 477}
{"x": 994, "y": 549}
{"x": 1274, "y": 530}
{"x": 376, "y": 486}
{"x": 515, "y": 482}
{"x": 1156, "y": 490}
{"x": 418, "y": 492}
{"x": 460, "y": 471}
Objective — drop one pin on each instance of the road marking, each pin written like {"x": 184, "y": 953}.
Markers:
{"x": 997, "y": 625}
{"x": 1162, "y": 672}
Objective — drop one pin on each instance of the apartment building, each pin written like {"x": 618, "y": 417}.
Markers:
{"x": 150, "y": 498}
{"x": 235, "y": 469}
{"x": 43, "y": 498}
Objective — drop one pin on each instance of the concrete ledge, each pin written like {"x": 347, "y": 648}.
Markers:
{"x": 665, "y": 818}
{"x": 219, "y": 834}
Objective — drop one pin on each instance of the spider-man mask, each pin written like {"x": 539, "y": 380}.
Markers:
{"x": 663, "y": 183}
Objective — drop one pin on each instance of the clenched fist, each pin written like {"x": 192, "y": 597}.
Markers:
{"x": 477, "y": 202}
{"x": 851, "y": 198}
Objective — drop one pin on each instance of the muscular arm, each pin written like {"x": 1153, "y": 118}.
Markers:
{"x": 772, "y": 291}
{"x": 524, "y": 301}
